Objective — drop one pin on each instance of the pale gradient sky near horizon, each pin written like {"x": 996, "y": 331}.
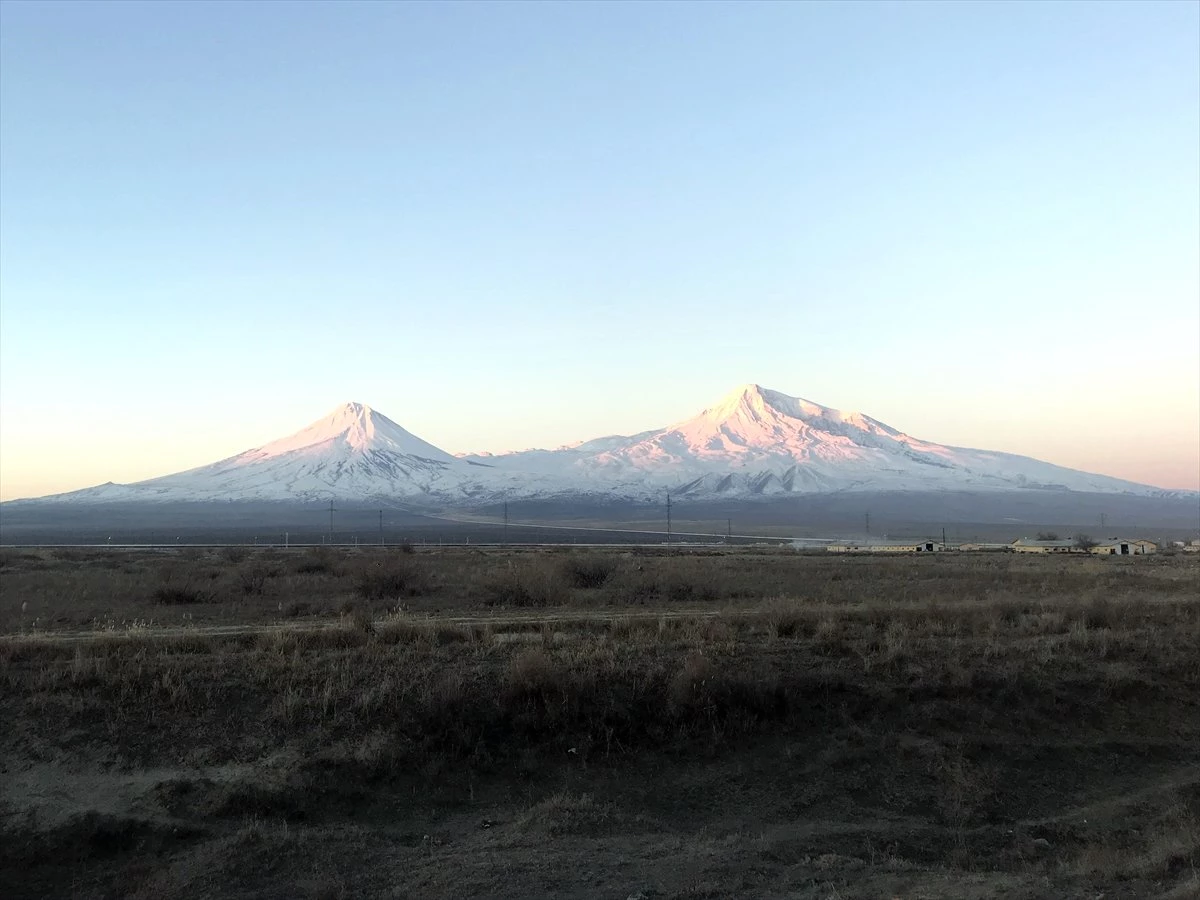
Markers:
{"x": 514, "y": 225}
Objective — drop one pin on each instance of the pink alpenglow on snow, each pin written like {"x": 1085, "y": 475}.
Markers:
{"x": 753, "y": 442}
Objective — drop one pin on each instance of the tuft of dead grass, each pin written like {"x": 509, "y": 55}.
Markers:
{"x": 567, "y": 814}
{"x": 528, "y": 582}
{"x": 391, "y": 578}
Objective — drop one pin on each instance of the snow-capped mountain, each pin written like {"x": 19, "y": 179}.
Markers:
{"x": 759, "y": 442}
{"x": 353, "y": 452}
{"x": 753, "y": 443}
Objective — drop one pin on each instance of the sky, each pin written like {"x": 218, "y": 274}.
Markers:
{"x": 517, "y": 225}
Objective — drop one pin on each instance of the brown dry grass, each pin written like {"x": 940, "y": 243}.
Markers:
{"x": 1034, "y": 721}
{"x": 75, "y": 589}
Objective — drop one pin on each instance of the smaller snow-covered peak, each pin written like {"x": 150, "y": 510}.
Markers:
{"x": 355, "y": 421}
{"x": 358, "y": 428}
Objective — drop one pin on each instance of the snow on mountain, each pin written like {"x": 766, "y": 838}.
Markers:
{"x": 353, "y": 452}
{"x": 754, "y": 442}
{"x": 353, "y": 427}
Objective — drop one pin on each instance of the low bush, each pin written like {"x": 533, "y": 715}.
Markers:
{"x": 318, "y": 561}
{"x": 565, "y": 813}
{"x": 254, "y": 580}
{"x": 526, "y": 583}
{"x": 784, "y": 618}
{"x": 590, "y": 570}
{"x": 180, "y": 593}
{"x": 387, "y": 579}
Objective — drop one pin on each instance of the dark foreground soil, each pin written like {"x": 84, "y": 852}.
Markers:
{"x": 1032, "y": 738}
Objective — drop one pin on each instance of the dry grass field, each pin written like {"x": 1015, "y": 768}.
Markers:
{"x": 596, "y": 723}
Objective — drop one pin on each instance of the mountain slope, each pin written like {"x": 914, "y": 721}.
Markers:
{"x": 753, "y": 443}
{"x": 757, "y": 442}
{"x": 353, "y": 452}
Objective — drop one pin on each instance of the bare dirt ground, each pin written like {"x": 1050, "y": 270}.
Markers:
{"x": 599, "y": 725}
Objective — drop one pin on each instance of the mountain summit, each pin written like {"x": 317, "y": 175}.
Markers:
{"x": 756, "y": 417}
{"x": 352, "y": 428}
{"x": 753, "y": 442}
{"x": 354, "y": 452}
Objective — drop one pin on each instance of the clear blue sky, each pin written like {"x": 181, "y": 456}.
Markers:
{"x": 512, "y": 225}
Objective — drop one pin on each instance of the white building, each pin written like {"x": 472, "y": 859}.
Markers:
{"x": 1125, "y": 547}
{"x": 1028, "y": 545}
{"x": 886, "y": 547}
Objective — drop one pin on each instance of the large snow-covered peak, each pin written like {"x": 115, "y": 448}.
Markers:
{"x": 753, "y": 442}
{"x": 356, "y": 428}
{"x": 753, "y": 401}
{"x": 754, "y": 416}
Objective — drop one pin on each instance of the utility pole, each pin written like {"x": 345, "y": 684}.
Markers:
{"x": 506, "y": 523}
{"x": 728, "y": 529}
{"x": 868, "y": 523}
{"x": 1103, "y": 520}
{"x": 381, "y": 528}
{"x": 331, "y": 512}
{"x": 943, "y": 537}
{"x": 668, "y": 518}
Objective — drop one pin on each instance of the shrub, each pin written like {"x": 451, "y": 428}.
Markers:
{"x": 297, "y": 608}
{"x": 526, "y": 584}
{"x": 691, "y": 682}
{"x": 318, "y": 561}
{"x": 397, "y": 630}
{"x": 783, "y": 618}
{"x": 254, "y": 580}
{"x": 567, "y": 814}
{"x": 387, "y": 580}
{"x": 531, "y": 672}
{"x": 360, "y": 620}
{"x": 182, "y": 584}
{"x": 180, "y": 593}
{"x": 670, "y": 579}
{"x": 589, "y": 570}
{"x": 677, "y": 582}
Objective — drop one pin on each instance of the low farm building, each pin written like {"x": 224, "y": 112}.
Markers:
{"x": 1025, "y": 545}
{"x": 1109, "y": 547}
{"x": 886, "y": 547}
{"x": 1125, "y": 547}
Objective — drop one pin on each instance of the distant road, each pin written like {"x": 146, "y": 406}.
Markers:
{"x": 702, "y": 534}
{"x": 497, "y": 619}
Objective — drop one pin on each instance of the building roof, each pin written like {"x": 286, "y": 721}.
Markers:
{"x": 870, "y": 545}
